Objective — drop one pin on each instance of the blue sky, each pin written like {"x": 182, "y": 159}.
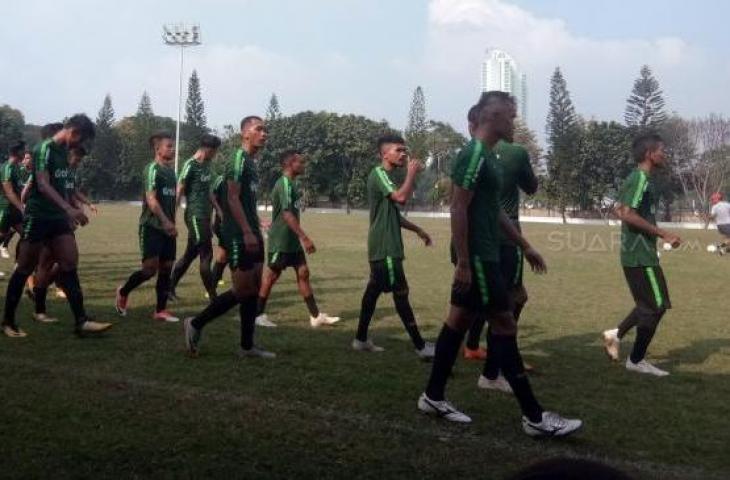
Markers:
{"x": 360, "y": 56}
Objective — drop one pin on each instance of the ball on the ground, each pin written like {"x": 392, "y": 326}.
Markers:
{"x": 667, "y": 246}
{"x": 712, "y": 248}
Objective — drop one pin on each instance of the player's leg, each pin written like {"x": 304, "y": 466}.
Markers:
{"x": 150, "y": 247}
{"x": 7, "y": 237}
{"x": 192, "y": 251}
{"x": 270, "y": 276}
{"x": 316, "y": 317}
{"x": 162, "y": 288}
{"x": 247, "y": 284}
{"x": 472, "y": 350}
{"x": 376, "y": 285}
{"x": 206, "y": 274}
{"x": 27, "y": 259}
{"x": 43, "y": 279}
{"x": 219, "y": 265}
{"x": 399, "y": 286}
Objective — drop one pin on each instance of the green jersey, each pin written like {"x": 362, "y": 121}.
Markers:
{"x": 477, "y": 169}
{"x": 285, "y": 197}
{"x": 196, "y": 178}
{"x": 159, "y": 180}
{"x": 384, "y": 236}
{"x": 638, "y": 249}
{"x": 217, "y": 187}
{"x": 242, "y": 170}
{"x": 12, "y": 173}
{"x": 51, "y": 158}
{"x": 517, "y": 175}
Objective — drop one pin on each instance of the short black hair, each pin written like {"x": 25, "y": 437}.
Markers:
{"x": 210, "y": 141}
{"x": 643, "y": 144}
{"x": 17, "y": 149}
{"x": 491, "y": 95}
{"x": 287, "y": 155}
{"x": 473, "y": 115}
{"x": 79, "y": 150}
{"x": 50, "y": 129}
{"x": 390, "y": 138}
{"x": 83, "y": 125}
{"x": 159, "y": 135}
{"x": 249, "y": 119}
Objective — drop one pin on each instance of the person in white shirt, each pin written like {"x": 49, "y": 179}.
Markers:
{"x": 720, "y": 213}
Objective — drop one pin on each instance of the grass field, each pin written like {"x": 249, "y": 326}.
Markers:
{"x": 131, "y": 405}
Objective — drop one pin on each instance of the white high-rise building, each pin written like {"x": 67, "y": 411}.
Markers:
{"x": 500, "y": 72}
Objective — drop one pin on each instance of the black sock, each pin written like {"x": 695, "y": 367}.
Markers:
{"x": 491, "y": 364}
{"x": 206, "y": 275}
{"x": 508, "y": 355}
{"x": 631, "y": 320}
{"x": 40, "y": 294}
{"x": 367, "y": 309}
{"x": 644, "y": 335}
{"x": 12, "y": 296}
{"x": 162, "y": 289}
{"x": 71, "y": 286}
{"x": 247, "y": 309}
{"x": 261, "y": 305}
{"x": 475, "y": 332}
{"x": 447, "y": 348}
{"x": 135, "y": 280}
{"x": 217, "y": 272}
{"x": 220, "y": 305}
{"x": 403, "y": 307}
{"x": 182, "y": 265}
{"x": 312, "y": 306}
{"x": 8, "y": 238}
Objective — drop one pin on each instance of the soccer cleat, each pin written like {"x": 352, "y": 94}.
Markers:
{"x": 90, "y": 326}
{"x": 475, "y": 354}
{"x": 165, "y": 316}
{"x": 43, "y": 318}
{"x": 611, "y": 344}
{"x": 13, "y": 331}
{"x": 263, "y": 321}
{"x": 121, "y": 303}
{"x": 499, "y": 384}
{"x": 552, "y": 425}
{"x": 442, "y": 409}
{"x": 256, "y": 352}
{"x": 322, "y": 319}
{"x": 221, "y": 283}
{"x": 645, "y": 367}
{"x": 192, "y": 338}
{"x": 427, "y": 352}
{"x": 60, "y": 293}
{"x": 366, "y": 346}
{"x": 4, "y": 252}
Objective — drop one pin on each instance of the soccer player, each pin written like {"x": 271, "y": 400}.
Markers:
{"x": 385, "y": 244}
{"x": 288, "y": 242}
{"x": 48, "y": 221}
{"x": 639, "y": 232}
{"x": 195, "y": 185}
{"x": 476, "y": 217}
{"x": 220, "y": 257}
{"x": 157, "y": 231}
{"x": 244, "y": 244}
{"x": 11, "y": 207}
{"x": 720, "y": 213}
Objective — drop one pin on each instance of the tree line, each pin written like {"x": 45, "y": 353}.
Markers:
{"x": 581, "y": 170}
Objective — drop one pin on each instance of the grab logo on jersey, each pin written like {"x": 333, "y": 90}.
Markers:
{"x": 168, "y": 192}
{"x": 62, "y": 173}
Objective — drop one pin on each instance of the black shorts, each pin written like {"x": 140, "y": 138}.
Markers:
{"x": 388, "y": 275}
{"x": 199, "y": 229}
{"x": 154, "y": 243}
{"x": 9, "y": 218}
{"x": 511, "y": 263}
{"x": 280, "y": 261}
{"x": 239, "y": 258}
{"x": 724, "y": 229}
{"x": 42, "y": 230}
{"x": 648, "y": 287}
{"x": 488, "y": 293}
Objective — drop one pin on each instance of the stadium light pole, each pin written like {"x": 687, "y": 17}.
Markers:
{"x": 180, "y": 35}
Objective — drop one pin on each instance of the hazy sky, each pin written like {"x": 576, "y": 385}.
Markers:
{"x": 360, "y": 56}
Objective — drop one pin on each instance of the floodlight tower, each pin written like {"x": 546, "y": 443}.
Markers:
{"x": 180, "y": 35}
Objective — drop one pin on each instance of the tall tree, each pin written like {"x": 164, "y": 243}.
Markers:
{"x": 136, "y": 152}
{"x": 417, "y": 130}
{"x": 645, "y": 105}
{"x": 273, "y": 112}
{"x": 11, "y": 129}
{"x": 528, "y": 139}
{"x": 563, "y": 134}
{"x": 196, "y": 124}
{"x": 96, "y": 174}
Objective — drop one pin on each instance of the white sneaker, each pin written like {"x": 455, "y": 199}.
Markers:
{"x": 552, "y": 425}
{"x": 611, "y": 344}
{"x": 499, "y": 384}
{"x": 4, "y": 252}
{"x": 256, "y": 352}
{"x": 366, "y": 346}
{"x": 323, "y": 319}
{"x": 442, "y": 409}
{"x": 263, "y": 321}
{"x": 43, "y": 318}
{"x": 427, "y": 352}
{"x": 645, "y": 367}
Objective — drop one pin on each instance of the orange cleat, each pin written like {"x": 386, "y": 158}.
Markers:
{"x": 477, "y": 354}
